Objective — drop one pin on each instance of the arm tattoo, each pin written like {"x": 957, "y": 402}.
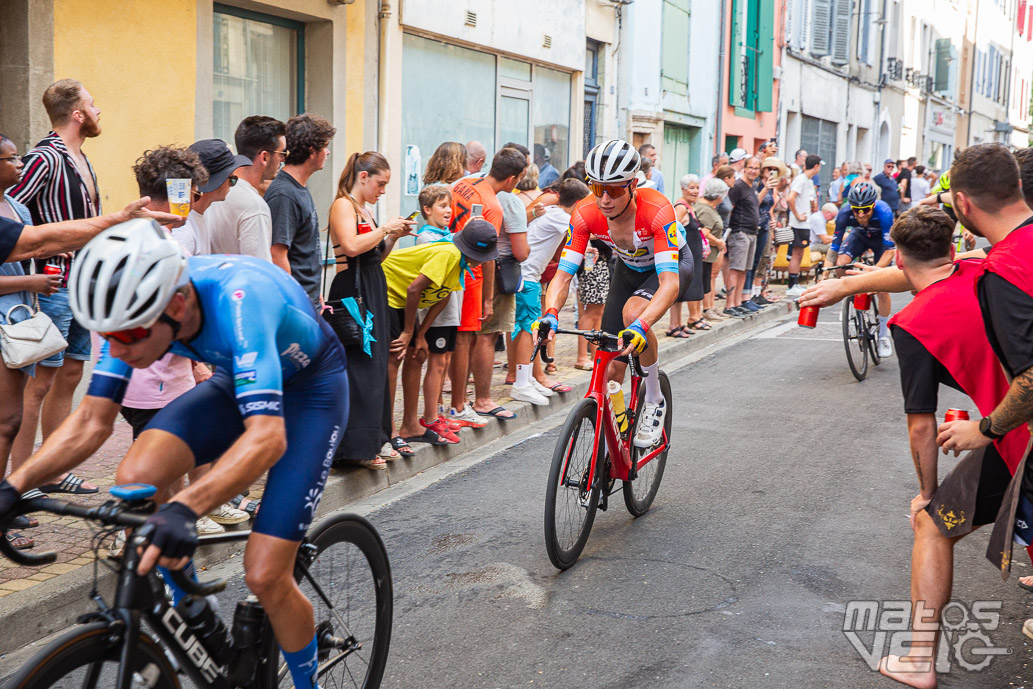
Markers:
{"x": 916, "y": 457}
{"x": 1017, "y": 406}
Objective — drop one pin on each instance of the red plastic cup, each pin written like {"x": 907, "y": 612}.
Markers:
{"x": 955, "y": 415}
{"x": 51, "y": 270}
{"x": 808, "y": 316}
{"x": 863, "y": 301}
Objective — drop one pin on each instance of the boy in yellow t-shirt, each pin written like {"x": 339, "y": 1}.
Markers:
{"x": 418, "y": 277}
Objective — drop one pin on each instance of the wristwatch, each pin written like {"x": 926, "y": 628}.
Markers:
{"x": 984, "y": 428}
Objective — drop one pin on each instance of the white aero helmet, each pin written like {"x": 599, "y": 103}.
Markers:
{"x": 125, "y": 276}
{"x": 612, "y": 162}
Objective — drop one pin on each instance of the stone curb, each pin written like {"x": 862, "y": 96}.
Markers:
{"x": 29, "y": 615}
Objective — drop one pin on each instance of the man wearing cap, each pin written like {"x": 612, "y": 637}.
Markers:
{"x": 422, "y": 277}
{"x": 220, "y": 163}
{"x": 888, "y": 185}
{"x": 737, "y": 159}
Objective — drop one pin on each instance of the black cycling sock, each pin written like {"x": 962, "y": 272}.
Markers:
{"x": 794, "y": 278}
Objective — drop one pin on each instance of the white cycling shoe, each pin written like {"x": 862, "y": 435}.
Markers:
{"x": 651, "y": 424}
{"x": 884, "y": 348}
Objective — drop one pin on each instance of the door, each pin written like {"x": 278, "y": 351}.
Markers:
{"x": 680, "y": 156}
{"x": 514, "y": 118}
{"x": 819, "y": 137}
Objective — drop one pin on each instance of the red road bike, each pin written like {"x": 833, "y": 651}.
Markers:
{"x": 593, "y": 453}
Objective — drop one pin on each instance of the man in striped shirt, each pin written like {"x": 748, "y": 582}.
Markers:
{"x": 58, "y": 183}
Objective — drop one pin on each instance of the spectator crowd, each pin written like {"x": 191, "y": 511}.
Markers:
{"x": 446, "y": 306}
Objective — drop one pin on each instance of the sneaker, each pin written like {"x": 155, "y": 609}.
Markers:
{"x": 749, "y": 306}
{"x": 207, "y": 527}
{"x": 734, "y": 312}
{"x": 228, "y": 514}
{"x": 794, "y": 291}
{"x": 467, "y": 418}
{"x": 759, "y": 300}
{"x": 713, "y": 315}
{"x": 651, "y": 425}
{"x": 546, "y": 392}
{"x": 527, "y": 393}
{"x": 441, "y": 427}
{"x": 885, "y": 348}
{"x": 1027, "y": 628}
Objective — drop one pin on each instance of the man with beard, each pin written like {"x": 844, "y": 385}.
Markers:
{"x": 58, "y": 184}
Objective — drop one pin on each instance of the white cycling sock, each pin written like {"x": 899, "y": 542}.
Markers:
{"x": 884, "y": 330}
{"x": 654, "y": 395}
{"x": 523, "y": 375}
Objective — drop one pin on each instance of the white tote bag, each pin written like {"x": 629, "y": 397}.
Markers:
{"x": 31, "y": 340}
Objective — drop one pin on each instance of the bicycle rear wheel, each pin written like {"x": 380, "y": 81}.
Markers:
{"x": 88, "y": 657}
{"x": 354, "y": 628}
{"x": 855, "y": 340}
{"x": 570, "y": 503}
{"x": 639, "y": 494}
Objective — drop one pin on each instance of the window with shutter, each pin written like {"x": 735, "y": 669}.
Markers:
{"x": 821, "y": 25}
{"x": 765, "y": 55}
{"x": 865, "y": 29}
{"x": 675, "y": 47}
{"x": 942, "y": 70}
{"x": 840, "y": 43}
{"x": 736, "y": 71}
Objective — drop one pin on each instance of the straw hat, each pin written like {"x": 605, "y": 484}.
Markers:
{"x": 783, "y": 171}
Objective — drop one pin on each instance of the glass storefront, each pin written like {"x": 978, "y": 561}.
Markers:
{"x": 552, "y": 114}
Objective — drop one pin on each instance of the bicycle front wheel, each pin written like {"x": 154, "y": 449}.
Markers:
{"x": 855, "y": 338}
{"x": 871, "y": 323}
{"x": 88, "y": 657}
{"x": 639, "y": 494}
{"x": 353, "y": 621}
{"x": 570, "y": 502}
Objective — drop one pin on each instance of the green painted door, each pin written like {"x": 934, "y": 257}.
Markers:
{"x": 681, "y": 156}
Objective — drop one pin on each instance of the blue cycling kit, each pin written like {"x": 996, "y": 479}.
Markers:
{"x": 876, "y": 236}
{"x": 274, "y": 356}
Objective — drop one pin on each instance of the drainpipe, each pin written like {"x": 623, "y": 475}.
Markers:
{"x": 383, "y": 97}
{"x": 971, "y": 81}
{"x": 720, "y": 81}
{"x": 882, "y": 80}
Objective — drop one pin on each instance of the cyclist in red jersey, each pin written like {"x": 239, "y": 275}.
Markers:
{"x": 655, "y": 266}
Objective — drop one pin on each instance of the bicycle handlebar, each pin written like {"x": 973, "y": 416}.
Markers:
{"x": 111, "y": 513}
{"x": 597, "y": 337}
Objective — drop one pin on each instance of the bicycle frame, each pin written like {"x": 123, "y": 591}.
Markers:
{"x": 619, "y": 449}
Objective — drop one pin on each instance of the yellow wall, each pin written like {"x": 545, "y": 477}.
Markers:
{"x": 138, "y": 59}
{"x": 355, "y": 86}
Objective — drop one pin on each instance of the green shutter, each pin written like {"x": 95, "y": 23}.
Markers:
{"x": 735, "y": 53}
{"x": 942, "y": 74}
{"x": 675, "y": 45}
{"x": 765, "y": 56}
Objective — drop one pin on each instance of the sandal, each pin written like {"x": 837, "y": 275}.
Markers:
{"x": 700, "y": 325}
{"x": 376, "y": 464}
{"x": 584, "y": 367}
{"x": 69, "y": 484}
{"x": 388, "y": 453}
{"x": 551, "y": 368}
{"x": 19, "y": 542}
{"x": 430, "y": 437}
{"x": 679, "y": 333}
{"x": 242, "y": 502}
{"x": 400, "y": 446}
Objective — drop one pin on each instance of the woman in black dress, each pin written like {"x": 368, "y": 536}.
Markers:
{"x": 359, "y": 245}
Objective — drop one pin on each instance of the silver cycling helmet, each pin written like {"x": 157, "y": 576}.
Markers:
{"x": 612, "y": 162}
{"x": 125, "y": 276}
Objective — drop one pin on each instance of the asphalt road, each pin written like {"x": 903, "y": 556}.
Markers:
{"x": 785, "y": 498}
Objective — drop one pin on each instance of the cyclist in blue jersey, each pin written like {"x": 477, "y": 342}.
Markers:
{"x": 864, "y": 224}
{"x": 277, "y": 402}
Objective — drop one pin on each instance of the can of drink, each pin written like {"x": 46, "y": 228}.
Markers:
{"x": 955, "y": 415}
{"x": 51, "y": 269}
{"x": 808, "y": 316}
{"x": 862, "y": 301}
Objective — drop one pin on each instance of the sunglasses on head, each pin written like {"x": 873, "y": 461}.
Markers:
{"x": 862, "y": 209}
{"x": 614, "y": 190}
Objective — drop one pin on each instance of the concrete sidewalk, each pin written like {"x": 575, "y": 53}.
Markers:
{"x": 34, "y": 603}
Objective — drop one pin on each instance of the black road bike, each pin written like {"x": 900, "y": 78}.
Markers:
{"x": 143, "y": 641}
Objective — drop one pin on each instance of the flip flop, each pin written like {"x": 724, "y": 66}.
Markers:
{"x": 370, "y": 463}
{"x": 23, "y": 522}
{"x": 549, "y": 368}
{"x": 1028, "y": 587}
{"x": 250, "y": 506}
{"x": 497, "y": 413}
{"x": 401, "y": 447}
{"x": 560, "y": 387}
{"x": 583, "y": 367}
{"x": 69, "y": 484}
{"x": 429, "y": 437}
{"x": 19, "y": 542}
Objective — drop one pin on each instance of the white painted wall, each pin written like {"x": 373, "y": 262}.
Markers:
{"x": 513, "y": 27}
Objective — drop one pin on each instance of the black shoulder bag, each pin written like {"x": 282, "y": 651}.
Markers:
{"x": 341, "y": 313}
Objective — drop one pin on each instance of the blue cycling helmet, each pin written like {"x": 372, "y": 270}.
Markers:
{"x": 862, "y": 194}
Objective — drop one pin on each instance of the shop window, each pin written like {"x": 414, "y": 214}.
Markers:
{"x": 552, "y": 114}
{"x": 258, "y": 67}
